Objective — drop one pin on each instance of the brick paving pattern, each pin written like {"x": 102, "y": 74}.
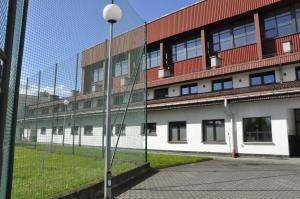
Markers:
{"x": 222, "y": 179}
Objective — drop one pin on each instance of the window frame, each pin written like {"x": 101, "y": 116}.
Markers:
{"x": 123, "y": 129}
{"x": 257, "y": 141}
{"x": 87, "y": 102}
{"x": 54, "y": 130}
{"x": 185, "y": 43}
{"x": 85, "y": 129}
{"x": 77, "y": 130}
{"x": 120, "y": 63}
{"x": 217, "y": 45}
{"x": 222, "y": 81}
{"x": 100, "y": 74}
{"x": 297, "y": 73}
{"x": 294, "y": 22}
{"x": 146, "y": 127}
{"x": 43, "y": 131}
{"x": 262, "y": 79}
{"x": 161, "y": 89}
{"x": 178, "y": 125}
{"x": 204, "y": 133}
{"x": 189, "y": 86}
{"x": 149, "y": 58}
{"x": 60, "y": 130}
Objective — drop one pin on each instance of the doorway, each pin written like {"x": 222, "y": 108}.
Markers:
{"x": 294, "y": 140}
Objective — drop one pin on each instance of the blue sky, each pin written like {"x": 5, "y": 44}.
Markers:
{"x": 58, "y": 29}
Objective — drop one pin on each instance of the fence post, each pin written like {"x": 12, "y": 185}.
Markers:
{"x": 75, "y": 103}
{"x": 53, "y": 100}
{"x": 37, "y": 109}
{"x": 25, "y": 110}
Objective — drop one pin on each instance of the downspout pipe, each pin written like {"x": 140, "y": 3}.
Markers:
{"x": 232, "y": 140}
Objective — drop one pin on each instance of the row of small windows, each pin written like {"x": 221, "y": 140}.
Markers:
{"x": 137, "y": 96}
{"x": 87, "y": 130}
{"x": 256, "y": 79}
{"x": 281, "y": 22}
{"x": 255, "y": 129}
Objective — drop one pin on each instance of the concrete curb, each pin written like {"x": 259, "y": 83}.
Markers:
{"x": 96, "y": 190}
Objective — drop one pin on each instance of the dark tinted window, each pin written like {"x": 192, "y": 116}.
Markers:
{"x": 88, "y": 130}
{"x": 177, "y": 131}
{"x": 189, "y": 89}
{"x": 257, "y": 129}
{"x": 233, "y": 37}
{"x": 161, "y": 93}
{"x": 298, "y": 73}
{"x": 262, "y": 78}
{"x": 213, "y": 131}
{"x": 223, "y": 84}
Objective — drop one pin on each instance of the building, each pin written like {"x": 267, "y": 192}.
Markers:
{"x": 222, "y": 77}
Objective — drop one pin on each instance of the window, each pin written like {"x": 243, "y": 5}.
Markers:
{"x": 98, "y": 74}
{"x": 74, "y": 106}
{"x": 88, "y": 130}
{"x": 118, "y": 99}
{"x": 138, "y": 96}
{"x": 223, "y": 84}
{"x": 278, "y": 24}
{"x": 54, "y": 130}
{"x": 244, "y": 35}
{"x": 153, "y": 58}
{"x": 298, "y": 73}
{"x": 121, "y": 68}
{"x": 61, "y": 130}
{"x": 177, "y": 131}
{"x": 257, "y": 129}
{"x": 100, "y": 102}
{"x": 161, "y": 93}
{"x": 56, "y": 109}
{"x": 150, "y": 128}
{"x": 120, "y": 128}
{"x": 186, "y": 50}
{"x": 189, "y": 89}
{"x": 213, "y": 131}
{"x": 74, "y": 130}
{"x": 262, "y": 78}
{"x": 234, "y": 37}
{"x": 45, "y": 111}
{"x": 43, "y": 131}
{"x": 87, "y": 104}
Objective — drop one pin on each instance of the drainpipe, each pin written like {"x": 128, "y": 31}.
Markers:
{"x": 232, "y": 140}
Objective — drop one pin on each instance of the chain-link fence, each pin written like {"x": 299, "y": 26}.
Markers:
{"x": 60, "y": 136}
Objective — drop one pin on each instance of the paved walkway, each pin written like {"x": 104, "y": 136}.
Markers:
{"x": 223, "y": 178}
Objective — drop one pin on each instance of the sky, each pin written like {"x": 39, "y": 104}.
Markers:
{"x": 59, "y": 29}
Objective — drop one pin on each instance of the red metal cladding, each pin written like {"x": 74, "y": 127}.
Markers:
{"x": 239, "y": 55}
{"x": 257, "y": 64}
{"x": 152, "y": 74}
{"x": 274, "y": 47}
{"x": 187, "y": 66}
{"x": 200, "y": 14}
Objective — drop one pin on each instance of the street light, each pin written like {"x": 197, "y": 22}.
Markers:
{"x": 112, "y": 13}
{"x": 66, "y": 103}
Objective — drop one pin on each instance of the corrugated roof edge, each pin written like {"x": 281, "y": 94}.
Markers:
{"x": 183, "y": 8}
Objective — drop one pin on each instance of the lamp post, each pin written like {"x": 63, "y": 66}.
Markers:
{"x": 112, "y": 13}
{"x": 66, "y": 103}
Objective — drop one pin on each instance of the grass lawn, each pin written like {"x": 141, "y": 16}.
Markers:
{"x": 39, "y": 174}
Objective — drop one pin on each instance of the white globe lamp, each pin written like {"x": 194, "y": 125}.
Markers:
{"x": 66, "y": 102}
{"x": 112, "y": 13}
